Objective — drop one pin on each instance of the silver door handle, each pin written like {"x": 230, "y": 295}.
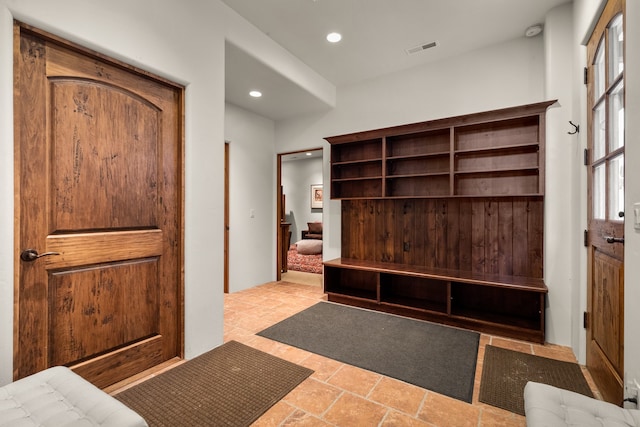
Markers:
{"x": 32, "y": 255}
{"x": 611, "y": 239}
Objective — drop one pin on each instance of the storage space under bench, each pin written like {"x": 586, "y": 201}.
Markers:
{"x": 510, "y": 306}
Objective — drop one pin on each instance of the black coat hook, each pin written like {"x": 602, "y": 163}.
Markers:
{"x": 576, "y": 128}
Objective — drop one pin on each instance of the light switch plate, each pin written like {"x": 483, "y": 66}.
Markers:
{"x": 636, "y": 216}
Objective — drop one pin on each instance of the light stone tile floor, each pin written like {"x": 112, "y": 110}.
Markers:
{"x": 338, "y": 394}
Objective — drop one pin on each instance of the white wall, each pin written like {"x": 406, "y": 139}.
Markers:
{"x": 137, "y": 32}
{"x": 506, "y": 75}
{"x": 184, "y": 43}
{"x": 6, "y": 197}
{"x": 252, "y": 240}
{"x": 583, "y": 14}
{"x": 514, "y": 73}
{"x": 518, "y": 72}
{"x": 500, "y": 76}
{"x": 297, "y": 178}
{"x": 563, "y": 162}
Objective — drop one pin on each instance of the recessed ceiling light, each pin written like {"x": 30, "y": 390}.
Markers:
{"x": 334, "y": 37}
{"x": 309, "y": 154}
{"x": 255, "y": 93}
{"x": 533, "y": 30}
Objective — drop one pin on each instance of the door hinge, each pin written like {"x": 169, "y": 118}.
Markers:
{"x": 586, "y": 156}
{"x": 585, "y": 76}
{"x": 585, "y": 320}
{"x": 586, "y": 238}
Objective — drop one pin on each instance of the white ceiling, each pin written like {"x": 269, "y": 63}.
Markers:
{"x": 376, "y": 34}
{"x": 302, "y": 155}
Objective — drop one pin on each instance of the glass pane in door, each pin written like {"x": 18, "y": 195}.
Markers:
{"x": 616, "y": 187}
{"x": 599, "y": 131}
{"x": 598, "y": 73}
{"x": 599, "y": 188}
{"x": 616, "y": 107}
{"x": 616, "y": 43}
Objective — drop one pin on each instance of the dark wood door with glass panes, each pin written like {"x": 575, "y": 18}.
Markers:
{"x": 605, "y": 236}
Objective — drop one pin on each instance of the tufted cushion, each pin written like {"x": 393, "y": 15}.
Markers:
{"x": 549, "y": 406}
{"x": 309, "y": 247}
{"x": 57, "y": 397}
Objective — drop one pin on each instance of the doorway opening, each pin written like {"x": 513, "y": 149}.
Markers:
{"x": 300, "y": 208}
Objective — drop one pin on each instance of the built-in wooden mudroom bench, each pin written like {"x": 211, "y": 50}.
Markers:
{"x": 443, "y": 221}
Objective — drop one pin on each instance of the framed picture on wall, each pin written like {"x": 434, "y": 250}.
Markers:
{"x": 316, "y": 196}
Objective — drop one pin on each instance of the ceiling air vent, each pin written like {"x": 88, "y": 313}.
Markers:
{"x": 420, "y": 48}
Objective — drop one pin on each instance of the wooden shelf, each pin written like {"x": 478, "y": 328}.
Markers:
{"x": 357, "y": 162}
{"x": 435, "y": 185}
{"x": 420, "y": 156}
{"x": 507, "y": 171}
{"x": 530, "y": 145}
{"x": 502, "y": 142}
{"x": 444, "y": 221}
{"x": 531, "y": 284}
{"x": 415, "y": 175}
{"x": 508, "y": 305}
{"x": 357, "y": 178}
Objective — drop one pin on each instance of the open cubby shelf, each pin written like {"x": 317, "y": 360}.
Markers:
{"x": 501, "y": 142}
{"x": 445, "y": 204}
{"x": 419, "y": 156}
{"x": 507, "y": 305}
{"x": 505, "y": 148}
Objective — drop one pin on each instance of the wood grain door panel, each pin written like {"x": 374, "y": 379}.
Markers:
{"x": 604, "y": 353}
{"x": 87, "y": 192}
{"x": 608, "y": 285}
{"x": 117, "y": 302}
{"x": 99, "y": 185}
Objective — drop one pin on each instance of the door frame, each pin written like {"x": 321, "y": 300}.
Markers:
{"x": 227, "y": 154}
{"x": 19, "y": 27}
{"x": 280, "y": 207}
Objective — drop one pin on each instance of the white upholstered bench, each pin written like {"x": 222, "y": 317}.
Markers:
{"x": 57, "y": 397}
{"x": 549, "y": 406}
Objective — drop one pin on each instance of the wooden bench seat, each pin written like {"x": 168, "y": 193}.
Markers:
{"x": 512, "y": 306}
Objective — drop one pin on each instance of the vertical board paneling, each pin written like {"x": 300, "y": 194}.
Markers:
{"x": 348, "y": 229}
{"x": 520, "y": 238}
{"x": 419, "y": 231}
{"x": 535, "y": 233}
{"x": 398, "y": 240}
{"x": 505, "y": 236}
{"x": 440, "y": 208}
{"x": 389, "y": 211}
{"x": 495, "y": 236}
{"x": 491, "y": 237}
{"x": 478, "y": 260}
{"x": 429, "y": 235}
{"x": 466, "y": 244}
{"x": 408, "y": 232}
{"x": 453, "y": 234}
{"x": 369, "y": 230}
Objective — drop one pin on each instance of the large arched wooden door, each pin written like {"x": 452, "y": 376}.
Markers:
{"x": 98, "y": 212}
{"x": 605, "y": 276}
